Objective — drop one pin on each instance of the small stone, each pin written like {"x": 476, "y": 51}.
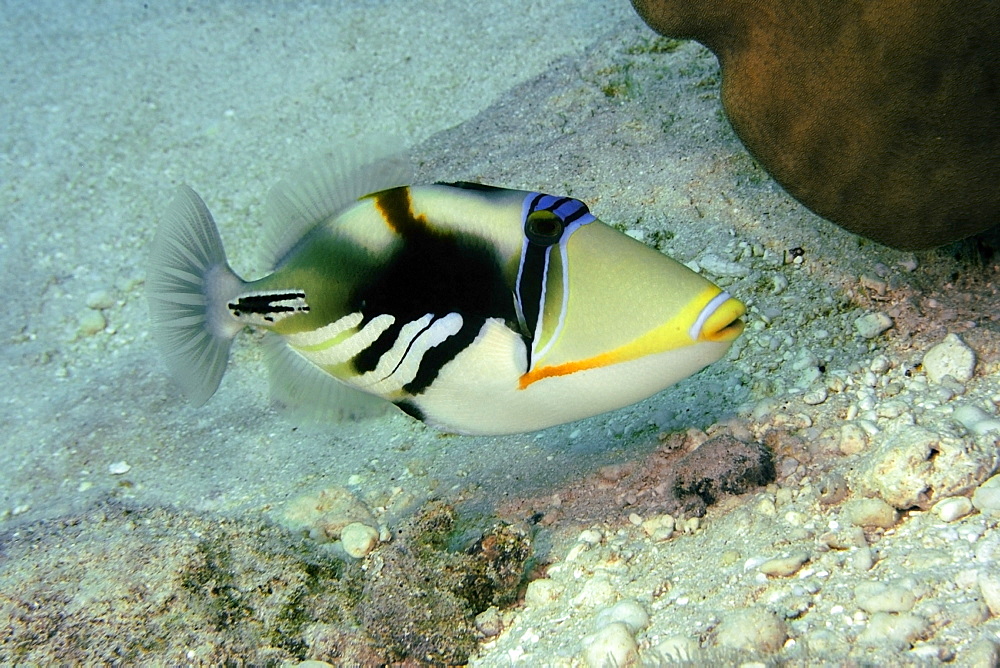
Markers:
{"x": 832, "y": 489}
{"x": 952, "y": 508}
{"x": 100, "y": 300}
{"x": 597, "y": 591}
{"x": 358, "y": 539}
{"x": 784, "y": 566}
{"x": 659, "y": 526}
{"x": 729, "y": 557}
{"x": 766, "y": 507}
{"x": 871, "y": 513}
{"x": 875, "y": 597}
{"x": 751, "y": 629}
{"x": 628, "y": 612}
{"x": 952, "y": 358}
{"x": 847, "y": 538}
{"x": 542, "y": 592}
{"x": 853, "y": 439}
{"x": 976, "y": 420}
{"x": 119, "y": 468}
{"x": 986, "y": 498}
{"x": 871, "y": 325}
{"x": 936, "y": 653}
{"x": 613, "y": 645}
{"x": 915, "y": 467}
{"x": 983, "y": 653}
{"x": 823, "y": 641}
{"x": 718, "y": 266}
{"x": 92, "y": 322}
{"x": 972, "y": 613}
{"x": 590, "y": 537}
{"x": 897, "y": 631}
{"x": 880, "y": 364}
{"x": 489, "y": 622}
{"x": 987, "y": 549}
{"x": 862, "y": 559}
{"x": 815, "y": 397}
{"x": 677, "y": 649}
{"x": 322, "y": 515}
{"x": 989, "y": 585}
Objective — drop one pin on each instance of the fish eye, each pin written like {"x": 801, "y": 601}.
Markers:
{"x": 543, "y": 228}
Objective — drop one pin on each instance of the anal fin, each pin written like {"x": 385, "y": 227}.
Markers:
{"x": 310, "y": 393}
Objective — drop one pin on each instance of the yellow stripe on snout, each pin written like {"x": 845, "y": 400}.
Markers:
{"x": 673, "y": 334}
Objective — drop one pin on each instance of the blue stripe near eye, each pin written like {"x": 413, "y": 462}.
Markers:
{"x": 573, "y": 212}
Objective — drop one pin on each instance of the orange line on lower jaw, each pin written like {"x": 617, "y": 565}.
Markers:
{"x": 565, "y": 369}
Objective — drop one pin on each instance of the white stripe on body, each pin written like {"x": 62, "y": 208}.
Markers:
{"x": 341, "y": 351}
{"x": 325, "y": 333}
{"x": 409, "y": 364}
{"x": 391, "y": 359}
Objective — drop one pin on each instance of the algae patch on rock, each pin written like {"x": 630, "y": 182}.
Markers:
{"x": 124, "y": 584}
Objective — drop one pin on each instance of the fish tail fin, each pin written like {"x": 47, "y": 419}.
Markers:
{"x": 188, "y": 286}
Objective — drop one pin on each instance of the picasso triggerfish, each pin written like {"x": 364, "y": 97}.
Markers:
{"x": 477, "y": 309}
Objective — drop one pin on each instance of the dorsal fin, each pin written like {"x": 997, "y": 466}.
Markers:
{"x": 321, "y": 187}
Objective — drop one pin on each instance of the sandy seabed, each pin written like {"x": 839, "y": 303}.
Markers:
{"x": 138, "y": 529}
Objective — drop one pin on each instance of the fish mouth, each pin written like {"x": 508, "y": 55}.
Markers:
{"x": 720, "y": 320}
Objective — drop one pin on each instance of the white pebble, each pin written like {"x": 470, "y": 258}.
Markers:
{"x": 976, "y": 420}
{"x": 489, "y": 622}
{"x": 815, "y": 397}
{"x": 677, "y": 649}
{"x": 717, "y": 266}
{"x": 989, "y": 585}
{"x": 92, "y": 322}
{"x": 871, "y": 513}
{"x": 880, "y": 365}
{"x": 873, "y": 597}
{"x": 766, "y": 507}
{"x": 119, "y": 468}
{"x": 751, "y": 629}
{"x": 660, "y": 526}
{"x": 871, "y": 325}
{"x": 358, "y": 539}
{"x": 542, "y": 592}
{"x": 628, "y": 612}
{"x": 986, "y": 498}
{"x": 897, "y": 631}
{"x": 862, "y": 559}
{"x": 952, "y": 508}
{"x": 597, "y": 591}
{"x": 100, "y": 300}
{"x": 983, "y": 652}
{"x": 784, "y": 566}
{"x": 611, "y": 647}
{"x": 853, "y": 439}
{"x": 952, "y": 358}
